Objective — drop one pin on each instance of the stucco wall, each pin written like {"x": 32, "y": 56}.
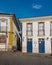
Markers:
{"x": 14, "y": 35}
{"x": 35, "y": 37}
{"x": 35, "y": 48}
{"x": 24, "y": 39}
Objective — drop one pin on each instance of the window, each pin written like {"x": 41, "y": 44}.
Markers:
{"x": 50, "y": 28}
{"x": 2, "y": 38}
{"x": 29, "y": 29}
{"x": 3, "y": 28}
{"x": 3, "y": 24}
{"x": 41, "y": 28}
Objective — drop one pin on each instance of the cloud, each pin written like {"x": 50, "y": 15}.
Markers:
{"x": 37, "y": 6}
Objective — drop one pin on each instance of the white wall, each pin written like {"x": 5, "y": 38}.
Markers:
{"x": 14, "y": 35}
{"x": 35, "y": 38}
{"x": 24, "y": 40}
{"x": 47, "y": 35}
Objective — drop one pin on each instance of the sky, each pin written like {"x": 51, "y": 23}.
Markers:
{"x": 26, "y": 8}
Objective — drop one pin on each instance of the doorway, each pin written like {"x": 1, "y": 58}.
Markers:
{"x": 29, "y": 45}
{"x": 41, "y": 46}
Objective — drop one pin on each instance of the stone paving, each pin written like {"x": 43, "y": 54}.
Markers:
{"x": 17, "y": 58}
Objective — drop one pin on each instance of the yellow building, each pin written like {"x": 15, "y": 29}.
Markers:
{"x": 8, "y": 31}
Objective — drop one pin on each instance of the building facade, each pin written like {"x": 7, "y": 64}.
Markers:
{"x": 36, "y": 34}
{"x": 8, "y": 31}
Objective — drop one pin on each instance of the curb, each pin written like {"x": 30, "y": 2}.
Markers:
{"x": 38, "y": 55}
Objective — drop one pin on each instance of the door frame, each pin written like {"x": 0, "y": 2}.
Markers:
{"x": 44, "y": 44}
{"x": 32, "y": 42}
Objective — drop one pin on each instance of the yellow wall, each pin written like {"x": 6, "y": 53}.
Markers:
{"x": 11, "y": 25}
{"x": 10, "y": 35}
{"x": 10, "y": 38}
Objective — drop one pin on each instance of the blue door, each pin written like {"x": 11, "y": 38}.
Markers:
{"x": 41, "y": 46}
{"x": 29, "y": 45}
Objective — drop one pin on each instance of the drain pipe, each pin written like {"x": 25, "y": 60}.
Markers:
{"x": 18, "y": 34}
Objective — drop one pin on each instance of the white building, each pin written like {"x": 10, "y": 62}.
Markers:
{"x": 37, "y": 34}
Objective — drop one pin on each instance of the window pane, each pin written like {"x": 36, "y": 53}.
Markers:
{"x": 3, "y": 24}
{"x": 29, "y": 33}
{"x": 29, "y": 25}
{"x": 41, "y": 28}
{"x": 41, "y": 24}
{"x": 41, "y": 33}
{"x": 29, "y": 29}
{"x": 2, "y": 38}
{"x": 3, "y": 28}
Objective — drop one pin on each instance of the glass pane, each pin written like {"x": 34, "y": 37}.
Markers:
{"x": 29, "y": 29}
{"x": 40, "y": 32}
{"x": 29, "y": 33}
{"x": 29, "y": 25}
{"x": 41, "y": 24}
{"x": 3, "y": 28}
{"x": 2, "y": 38}
{"x": 41, "y": 28}
{"x": 3, "y": 22}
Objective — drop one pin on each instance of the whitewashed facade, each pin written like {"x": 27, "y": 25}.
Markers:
{"x": 39, "y": 32}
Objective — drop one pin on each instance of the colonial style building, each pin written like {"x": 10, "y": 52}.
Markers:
{"x": 36, "y": 34}
{"x": 8, "y": 31}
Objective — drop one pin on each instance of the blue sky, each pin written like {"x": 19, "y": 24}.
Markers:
{"x": 26, "y": 8}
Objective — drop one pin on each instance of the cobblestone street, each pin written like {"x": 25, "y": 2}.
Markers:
{"x": 17, "y": 58}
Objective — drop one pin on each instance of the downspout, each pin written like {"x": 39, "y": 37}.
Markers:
{"x": 18, "y": 34}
